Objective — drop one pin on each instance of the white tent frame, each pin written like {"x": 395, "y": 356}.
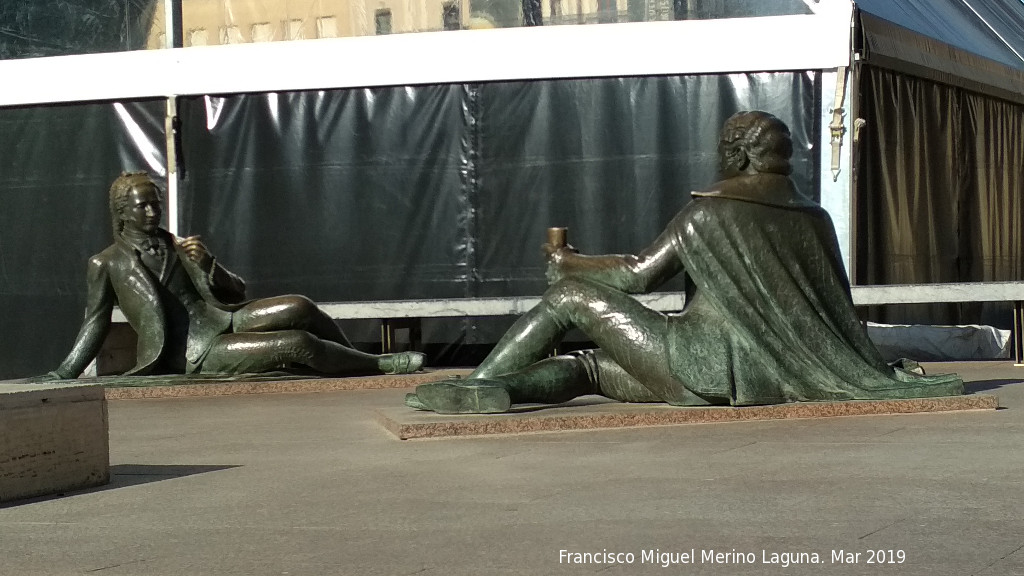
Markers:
{"x": 820, "y": 41}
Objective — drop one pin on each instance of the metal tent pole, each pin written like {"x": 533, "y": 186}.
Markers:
{"x": 173, "y": 38}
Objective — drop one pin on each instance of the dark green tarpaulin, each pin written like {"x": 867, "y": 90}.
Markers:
{"x": 405, "y": 192}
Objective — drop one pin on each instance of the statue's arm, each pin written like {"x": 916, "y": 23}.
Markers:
{"x": 225, "y": 285}
{"x": 99, "y": 304}
{"x": 635, "y": 274}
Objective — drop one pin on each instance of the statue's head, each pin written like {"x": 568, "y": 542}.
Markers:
{"x": 135, "y": 201}
{"x": 754, "y": 142}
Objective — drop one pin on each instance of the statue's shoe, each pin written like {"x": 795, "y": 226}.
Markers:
{"x": 402, "y": 362}
{"x": 413, "y": 401}
{"x": 474, "y": 396}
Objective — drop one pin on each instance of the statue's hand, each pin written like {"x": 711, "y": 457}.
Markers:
{"x": 197, "y": 252}
{"x": 556, "y": 256}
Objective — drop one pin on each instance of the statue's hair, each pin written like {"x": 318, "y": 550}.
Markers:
{"x": 765, "y": 138}
{"x": 119, "y": 192}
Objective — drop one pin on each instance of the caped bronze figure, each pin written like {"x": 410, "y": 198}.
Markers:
{"x": 191, "y": 314}
{"x": 768, "y": 317}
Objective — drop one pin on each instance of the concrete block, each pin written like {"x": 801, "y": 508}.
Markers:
{"x": 53, "y": 438}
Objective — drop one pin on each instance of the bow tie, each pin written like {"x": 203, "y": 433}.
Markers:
{"x": 153, "y": 246}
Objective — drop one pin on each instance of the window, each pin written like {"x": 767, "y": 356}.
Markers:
{"x": 607, "y": 11}
{"x": 262, "y": 32}
{"x": 198, "y": 37}
{"x": 327, "y": 27}
{"x": 451, "y": 15}
{"x": 293, "y": 30}
{"x": 230, "y": 35}
{"x": 382, "y": 21}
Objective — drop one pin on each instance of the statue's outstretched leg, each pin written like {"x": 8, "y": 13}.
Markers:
{"x": 290, "y": 312}
{"x": 562, "y": 378}
{"x": 298, "y": 313}
{"x": 550, "y": 381}
{"x": 631, "y": 335}
{"x": 248, "y": 352}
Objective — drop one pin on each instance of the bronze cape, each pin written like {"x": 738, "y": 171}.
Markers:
{"x": 771, "y": 319}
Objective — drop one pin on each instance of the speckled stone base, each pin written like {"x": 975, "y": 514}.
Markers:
{"x": 593, "y": 412}
{"x": 270, "y": 386}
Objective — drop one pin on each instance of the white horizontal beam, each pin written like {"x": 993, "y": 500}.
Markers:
{"x": 459, "y": 307}
{"x": 671, "y": 301}
{"x": 661, "y": 301}
{"x": 938, "y": 293}
{"x": 471, "y": 307}
{"x": 799, "y": 42}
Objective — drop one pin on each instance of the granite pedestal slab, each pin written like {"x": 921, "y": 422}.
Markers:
{"x": 53, "y": 438}
{"x": 180, "y": 386}
{"x": 591, "y": 412}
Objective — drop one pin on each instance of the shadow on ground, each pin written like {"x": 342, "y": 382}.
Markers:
{"x": 983, "y": 385}
{"x": 125, "y": 475}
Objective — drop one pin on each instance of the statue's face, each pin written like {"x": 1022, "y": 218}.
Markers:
{"x": 143, "y": 211}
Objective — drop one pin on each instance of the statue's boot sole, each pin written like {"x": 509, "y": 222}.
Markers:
{"x": 465, "y": 397}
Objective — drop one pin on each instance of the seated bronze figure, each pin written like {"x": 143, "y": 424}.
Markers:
{"x": 191, "y": 314}
{"x": 768, "y": 317}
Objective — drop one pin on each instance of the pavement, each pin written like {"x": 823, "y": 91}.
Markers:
{"x": 310, "y": 483}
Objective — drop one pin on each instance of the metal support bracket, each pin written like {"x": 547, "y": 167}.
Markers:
{"x": 836, "y": 127}
{"x": 172, "y": 145}
{"x": 1018, "y": 333}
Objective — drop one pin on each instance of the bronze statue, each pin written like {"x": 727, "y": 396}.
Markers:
{"x": 768, "y": 317}
{"x": 191, "y": 313}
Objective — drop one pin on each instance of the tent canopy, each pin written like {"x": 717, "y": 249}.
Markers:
{"x": 973, "y": 44}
